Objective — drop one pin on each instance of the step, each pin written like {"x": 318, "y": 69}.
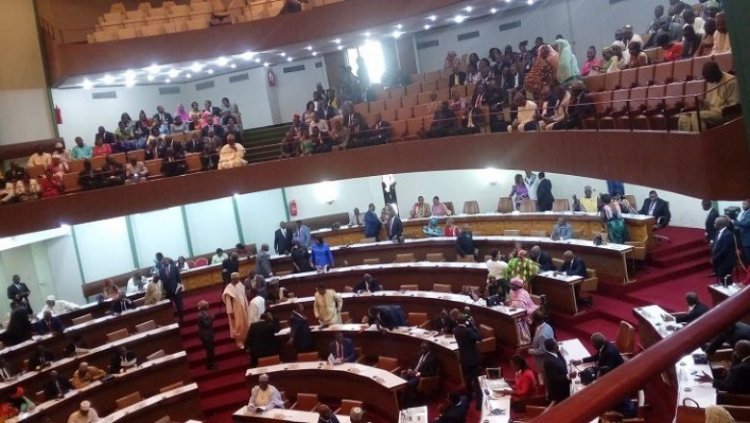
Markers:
{"x": 221, "y": 384}
{"x": 190, "y": 325}
{"x": 194, "y": 345}
{"x": 227, "y": 401}
{"x": 668, "y": 249}
{"x": 234, "y": 365}
{"x": 221, "y": 352}
{"x": 675, "y": 259}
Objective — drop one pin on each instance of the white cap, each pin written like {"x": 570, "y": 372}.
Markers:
{"x": 50, "y": 298}
{"x": 85, "y": 405}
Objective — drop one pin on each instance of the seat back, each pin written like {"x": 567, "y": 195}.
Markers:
{"x": 387, "y": 363}
{"x": 201, "y": 261}
{"x": 435, "y": 257}
{"x": 417, "y": 319}
{"x": 591, "y": 283}
{"x": 612, "y": 81}
{"x": 698, "y": 63}
{"x": 362, "y": 108}
{"x": 631, "y": 200}
{"x": 128, "y": 400}
{"x": 486, "y": 331}
{"x": 693, "y": 89}
{"x": 528, "y": 205}
{"x": 393, "y": 103}
{"x": 145, "y": 326}
{"x": 441, "y": 287}
{"x": 347, "y": 405}
{"x": 409, "y": 287}
{"x": 306, "y": 402}
{"x": 471, "y": 207}
{"x": 346, "y": 317}
{"x": 683, "y": 70}
{"x": 645, "y": 75}
{"x": 171, "y": 387}
{"x": 512, "y": 232}
{"x": 504, "y": 205}
{"x": 560, "y": 205}
{"x": 629, "y": 78}
{"x": 539, "y": 233}
{"x": 620, "y": 99}
{"x": 674, "y": 92}
{"x": 118, "y": 334}
{"x": 269, "y": 361}
{"x": 164, "y": 419}
{"x": 602, "y": 101}
{"x": 595, "y": 83}
{"x": 82, "y": 319}
{"x": 405, "y": 258}
{"x": 654, "y": 96}
{"x": 625, "y": 341}
{"x": 725, "y": 61}
{"x": 308, "y": 356}
{"x": 663, "y": 73}
{"x": 414, "y": 125}
{"x": 154, "y": 356}
{"x": 374, "y": 260}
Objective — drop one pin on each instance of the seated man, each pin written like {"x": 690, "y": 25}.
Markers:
{"x": 381, "y": 130}
{"x": 443, "y": 121}
{"x": 455, "y": 410}
{"x": 420, "y": 209}
{"x": 121, "y": 304}
{"x": 542, "y": 258}
{"x": 232, "y": 154}
{"x": 136, "y": 283}
{"x": 41, "y": 358}
{"x": 342, "y": 349}
{"x": 607, "y": 356}
{"x": 572, "y": 265}
{"x": 39, "y": 158}
{"x": 57, "y": 386}
{"x": 458, "y": 77}
{"x": 722, "y": 95}
{"x": 122, "y": 360}
{"x": 264, "y": 396}
{"x": 658, "y": 208}
{"x": 562, "y": 230}
{"x": 367, "y": 284}
{"x": 84, "y": 414}
{"x": 339, "y": 137}
{"x": 85, "y": 375}
{"x": 325, "y": 415}
{"x": 696, "y": 309}
{"x": 737, "y": 379}
{"x": 588, "y": 203}
{"x": 135, "y": 171}
{"x": 425, "y": 365}
{"x": 353, "y": 120}
{"x": 439, "y": 209}
{"x": 526, "y": 113}
{"x": 49, "y": 324}
{"x": 465, "y": 243}
{"x": 57, "y": 307}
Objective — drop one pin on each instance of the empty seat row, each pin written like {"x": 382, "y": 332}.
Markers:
{"x": 396, "y": 100}
{"x": 147, "y": 30}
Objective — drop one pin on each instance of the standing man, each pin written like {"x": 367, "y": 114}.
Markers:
{"x": 172, "y": 283}
{"x": 206, "y": 332}
{"x": 18, "y": 293}
{"x": 261, "y": 339}
{"x": 300, "y": 335}
{"x": 235, "y": 301}
{"x": 256, "y": 306}
{"x": 532, "y": 182}
{"x": 556, "y": 372}
{"x": 395, "y": 228}
{"x": 743, "y": 224}
{"x": 229, "y": 266}
{"x": 263, "y": 262}
{"x": 282, "y": 240}
{"x": 327, "y": 306}
{"x": 303, "y": 234}
{"x": 467, "y": 338}
{"x": 708, "y": 206}
{"x": 544, "y": 197}
{"x": 372, "y": 223}
{"x": 723, "y": 252}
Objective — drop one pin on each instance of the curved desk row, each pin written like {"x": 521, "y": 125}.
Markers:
{"x": 401, "y": 343}
{"x": 166, "y": 370}
{"x": 180, "y": 404}
{"x": 720, "y": 293}
{"x": 165, "y": 338}
{"x": 376, "y": 388}
{"x": 277, "y": 415}
{"x": 94, "y": 332}
{"x": 503, "y": 320}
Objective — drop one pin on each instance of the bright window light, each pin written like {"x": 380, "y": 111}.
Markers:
{"x": 372, "y": 53}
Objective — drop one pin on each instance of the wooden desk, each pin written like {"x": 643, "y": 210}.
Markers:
{"x": 401, "y": 343}
{"x": 376, "y": 388}
{"x": 179, "y": 404}
{"x": 243, "y": 415}
{"x": 609, "y": 260}
{"x": 93, "y": 332}
{"x": 559, "y": 290}
{"x": 166, "y": 370}
{"x": 573, "y": 349}
{"x": 719, "y": 293}
{"x": 504, "y": 320}
{"x": 496, "y": 406}
{"x": 165, "y": 338}
{"x": 654, "y": 324}
{"x": 96, "y": 309}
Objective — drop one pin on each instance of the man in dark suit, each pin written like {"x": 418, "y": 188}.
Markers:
{"x": 743, "y": 224}
{"x": 732, "y": 335}
{"x": 342, "y": 349}
{"x": 367, "y": 284}
{"x": 18, "y": 293}
{"x": 57, "y": 386}
{"x": 122, "y": 303}
{"x": 381, "y": 130}
{"x": 467, "y": 337}
{"x": 261, "y": 339}
{"x": 172, "y": 283}
{"x": 696, "y": 309}
{"x": 228, "y": 266}
{"x": 122, "y": 359}
{"x": 425, "y": 365}
{"x": 372, "y": 223}
{"x": 456, "y": 409}
{"x": 162, "y": 116}
{"x": 607, "y": 356}
{"x": 41, "y": 358}
{"x": 457, "y": 78}
{"x": 737, "y": 381}
{"x": 282, "y": 239}
{"x": 556, "y": 372}
{"x": 542, "y": 258}
{"x": 465, "y": 243}
{"x": 395, "y": 228}
{"x": 303, "y": 234}
{"x": 572, "y": 265}
{"x": 49, "y": 324}
{"x": 710, "y": 219}
{"x": 300, "y": 335}
{"x": 723, "y": 252}
{"x": 658, "y": 208}
{"x": 544, "y": 197}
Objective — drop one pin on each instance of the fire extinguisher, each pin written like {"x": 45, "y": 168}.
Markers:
{"x": 58, "y": 115}
{"x": 293, "y": 208}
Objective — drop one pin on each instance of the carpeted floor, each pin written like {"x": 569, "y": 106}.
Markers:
{"x": 675, "y": 267}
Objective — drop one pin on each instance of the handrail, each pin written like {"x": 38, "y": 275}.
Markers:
{"x": 605, "y": 393}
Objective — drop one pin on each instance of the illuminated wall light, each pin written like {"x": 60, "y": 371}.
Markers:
{"x": 173, "y": 73}
{"x": 257, "y": 60}
{"x": 340, "y": 47}
{"x": 248, "y": 55}
{"x": 315, "y": 53}
{"x": 530, "y": 2}
{"x": 337, "y": 41}
{"x": 222, "y": 61}
{"x": 367, "y": 34}
{"x": 459, "y": 18}
{"x": 309, "y": 48}
{"x": 426, "y": 27}
{"x": 233, "y": 66}
{"x": 130, "y": 74}
{"x": 153, "y": 69}
{"x": 399, "y": 26}
{"x": 87, "y": 85}
{"x": 282, "y": 54}
{"x": 468, "y": 9}
{"x": 129, "y": 83}
{"x": 493, "y": 10}
{"x": 432, "y": 18}
{"x": 289, "y": 59}
{"x": 108, "y": 79}
{"x": 196, "y": 67}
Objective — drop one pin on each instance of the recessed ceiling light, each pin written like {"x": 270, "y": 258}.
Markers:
{"x": 315, "y": 53}
{"x": 289, "y": 59}
{"x": 130, "y": 74}
{"x": 196, "y": 67}
{"x": 222, "y": 61}
{"x": 399, "y": 26}
{"x": 248, "y": 55}
{"x": 153, "y": 69}
{"x": 257, "y": 60}
{"x": 233, "y": 66}
{"x": 309, "y": 48}
{"x": 468, "y": 9}
{"x": 530, "y": 2}
{"x": 459, "y": 18}
{"x": 367, "y": 34}
{"x": 432, "y": 18}
{"x": 167, "y": 80}
{"x": 337, "y": 41}
{"x": 129, "y": 82}
{"x": 210, "y": 71}
{"x": 107, "y": 79}
{"x": 266, "y": 64}
{"x": 396, "y": 34}
{"x": 188, "y": 75}
{"x": 151, "y": 77}
{"x": 340, "y": 47}
{"x": 493, "y": 10}
{"x": 173, "y": 73}
{"x": 426, "y": 27}
{"x": 282, "y": 54}
{"x": 87, "y": 85}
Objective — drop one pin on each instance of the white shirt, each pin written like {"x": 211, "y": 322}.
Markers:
{"x": 496, "y": 268}
{"x": 77, "y": 417}
{"x": 257, "y": 308}
{"x": 531, "y": 184}
{"x": 132, "y": 287}
{"x": 217, "y": 259}
{"x": 60, "y": 307}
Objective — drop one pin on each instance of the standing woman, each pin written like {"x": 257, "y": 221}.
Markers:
{"x": 567, "y": 68}
{"x": 613, "y": 221}
{"x": 518, "y": 191}
{"x": 541, "y": 74}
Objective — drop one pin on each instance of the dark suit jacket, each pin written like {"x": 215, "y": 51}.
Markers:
{"x": 699, "y": 310}
{"x": 395, "y": 228}
{"x": 115, "y": 363}
{"x": 545, "y": 261}
{"x": 467, "y": 338}
{"x": 465, "y": 243}
{"x": 723, "y": 254}
{"x": 14, "y": 290}
{"x": 282, "y": 241}
{"x": 108, "y": 137}
{"x": 544, "y": 197}
{"x": 41, "y": 358}
{"x": 51, "y": 389}
{"x": 429, "y": 366}
{"x": 710, "y": 220}
{"x": 456, "y": 79}
{"x": 362, "y": 286}
{"x": 455, "y": 413}
{"x": 372, "y": 225}
{"x": 661, "y": 211}
{"x": 42, "y": 328}
{"x": 261, "y": 339}
{"x": 735, "y": 332}
{"x": 167, "y": 118}
{"x": 119, "y": 306}
{"x": 348, "y": 351}
{"x": 170, "y": 278}
{"x": 575, "y": 267}
{"x": 606, "y": 359}
{"x": 300, "y": 332}
{"x": 738, "y": 379}
{"x": 744, "y": 227}
{"x": 556, "y": 375}
{"x": 228, "y": 267}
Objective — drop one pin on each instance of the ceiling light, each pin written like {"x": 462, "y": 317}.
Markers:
{"x": 248, "y": 55}
{"x": 151, "y": 77}
{"x": 282, "y": 54}
{"x": 432, "y": 18}
{"x": 396, "y": 34}
{"x": 129, "y": 82}
{"x": 459, "y": 18}
{"x": 468, "y": 9}
{"x": 233, "y": 66}
{"x": 167, "y": 80}
{"x": 130, "y": 74}
{"x": 196, "y": 67}
{"x": 266, "y": 64}
{"x": 493, "y": 10}
{"x": 108, "y": 80}
{"x": 340, "y": 47}
{"x": 399, "y": 26}
{"x": 153, "y": 69}
{"x": 87, "y": 85}
{"x": 428, "y": 26}
{"x": 367, "y": 34}
{"x": 337, "y": 41}
{"x": 289, "y": 59}
{"x": 308, "y": 48}
{"x": 315, "y": 53}
{"x": 188, "y": 75}
{"x": 210, "y": 71}
{"x": 257, "y": 60}
{"x": 530, "y": 2}
{"x": 173, "y": 73}
{"x": 222, "y": 61}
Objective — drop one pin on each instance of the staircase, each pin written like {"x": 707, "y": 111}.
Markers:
{"x": 262, "y": 144}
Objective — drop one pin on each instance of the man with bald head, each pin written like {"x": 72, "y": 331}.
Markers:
{"x": 573, "y": 265}
{"x": 264, "y": 396}
{"x": 607, "y": 357}
{"x": 737, "y": 379}
{"x": 542, "y": 258}
{"x": 325, "y": 415}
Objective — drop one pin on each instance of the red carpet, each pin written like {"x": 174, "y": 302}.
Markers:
{"x": 675, "y": 267}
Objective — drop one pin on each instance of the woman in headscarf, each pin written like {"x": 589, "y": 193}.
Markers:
{"x": 432, "y": 229}
{"x": 182, "y": 113}
{"x": 613, "y": 221}
{"x": 450, "y": 60}
{"x": 617, "y": 63}
{"x": 541, "y": 74}
{"x": 521, "y": 268}
{"x": 519, "y": 297}
{"x": 567, "y": 69}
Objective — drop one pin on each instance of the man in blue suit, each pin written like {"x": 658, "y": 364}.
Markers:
{"x": 723, "y": 252}
{"x": 743, "y": 224}
{"x": 372, "y": 223}
{"x": 342, "y": 349}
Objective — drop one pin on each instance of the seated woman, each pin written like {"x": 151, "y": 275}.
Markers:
{"x": 559, "y": 107}
{"x": 289, "y": 146}
{"x": 109, "y": 291}
{"x": 524, "y": 386}
{"x": 520, "y": 297}
{"x": 27, "y": 189}
{"x": 432, "y": 229}
{"x": 307, "y": 147}
{"x": 100, "y": 148}
{"x": 113, "y": 172}
{"x": 50, "y": 184}
{"x": 179, "y": 126}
